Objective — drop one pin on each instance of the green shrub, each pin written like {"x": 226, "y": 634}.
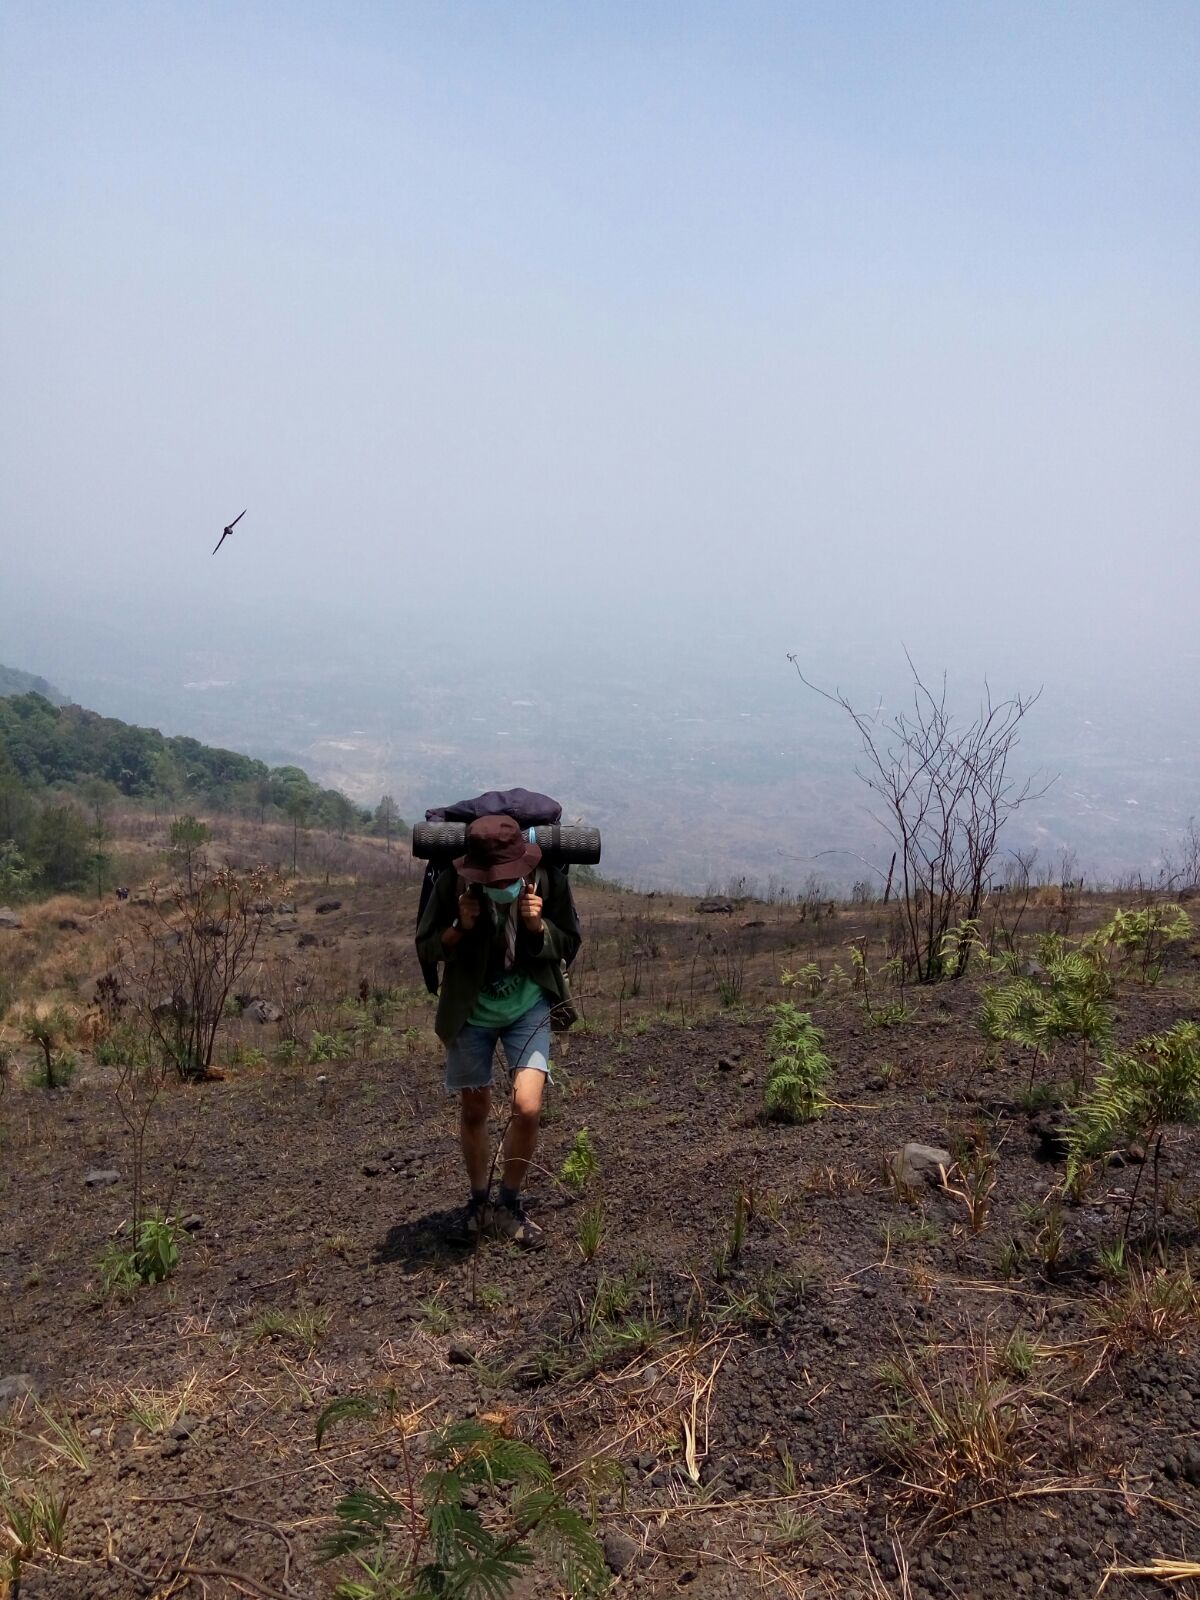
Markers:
{"x": 328, "y": 1047}
{"x": 148, "y": 1258}
{"x": 433, "y": 1542}
{"x": 1070, "y": 1000}
{"x": 581, "y": 1163}
{"x": 1141, "y": 938}
{"x": 799, "y": 1068}
{"x": 1141, "y": 1091}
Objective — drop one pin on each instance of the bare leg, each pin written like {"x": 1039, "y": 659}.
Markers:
{"x": 521, "y": 1140}
{"x": 473, "y": 1131}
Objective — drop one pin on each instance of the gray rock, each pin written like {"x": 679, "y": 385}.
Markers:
{"x": 307, "y": 940}
{"x": 621, "y": 1553}
{"x": 286, "y": 908}
{"x": 285, "y": 925}
{"x": 920, "y": 1163}
{"x": 192, "y": 1224}
{"x": 262, "y": 908}
{"x": 185, "y": 1427}
{"x": 15, "y": 1387}
{"x": 101, "y": 1177}
{"x": 262, "y": 1011}
{"x": 715, "y": 905}
{"x": 322, "y": 906}
{"x": 9, "y": 918}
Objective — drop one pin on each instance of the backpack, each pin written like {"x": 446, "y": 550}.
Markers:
{"x": 527, "y": 808}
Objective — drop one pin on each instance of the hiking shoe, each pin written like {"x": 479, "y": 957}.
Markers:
{"x": 476, "y": 1216}
{"x": 512, "y": 1223}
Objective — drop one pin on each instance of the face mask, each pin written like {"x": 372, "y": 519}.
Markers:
{"x": 505, "y": 897}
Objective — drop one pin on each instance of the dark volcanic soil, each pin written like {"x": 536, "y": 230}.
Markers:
{"x": 327, "y": 1193}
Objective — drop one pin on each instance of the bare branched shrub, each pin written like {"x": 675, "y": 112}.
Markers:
{"x": 945, "y": 794}
{"x": 192, "y": 952}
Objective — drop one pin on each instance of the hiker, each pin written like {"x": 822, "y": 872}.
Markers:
{"x": 503, "y": 925}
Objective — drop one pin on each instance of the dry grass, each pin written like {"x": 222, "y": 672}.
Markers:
{"x": 958, "y": 1428}
{"x": 1150, "y": 1307}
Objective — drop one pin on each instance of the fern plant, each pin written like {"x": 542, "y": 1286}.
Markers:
{"x": 433, "y": 1544}
{"x": 1141, "y": 1092}
{"x": 1141, "y": 938}
{"x": 1068, "y": 1001}
{"x": 581, "y": 1163}
{"x": 799, "y": 1068}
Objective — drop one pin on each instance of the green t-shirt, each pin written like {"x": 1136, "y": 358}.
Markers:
{"x": 506, "y": 1001}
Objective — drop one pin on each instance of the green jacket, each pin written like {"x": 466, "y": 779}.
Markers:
{"x": 540, "y": 956}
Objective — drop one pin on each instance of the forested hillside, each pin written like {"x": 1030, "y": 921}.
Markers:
{"x": 64, "y": 769}
{"x": 14, "y": 681}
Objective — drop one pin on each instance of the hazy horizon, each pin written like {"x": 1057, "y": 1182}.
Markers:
{"x": 598, "y": 359}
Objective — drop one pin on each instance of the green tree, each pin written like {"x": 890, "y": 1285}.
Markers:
{"x": 342, "y": 813}
{"x": 386, "y": 817}
{"x": 16, "y": 876}
{"x": 99, "y": 795}
{"x": 60, "y": 847}
{"x": 298, "y": 806}
{"x": 188, "y": 835}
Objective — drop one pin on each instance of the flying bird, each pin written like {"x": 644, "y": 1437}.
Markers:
{"x": 227, "y": 531}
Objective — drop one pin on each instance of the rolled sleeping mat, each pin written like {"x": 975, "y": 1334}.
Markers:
{"x": 562, "y": 844}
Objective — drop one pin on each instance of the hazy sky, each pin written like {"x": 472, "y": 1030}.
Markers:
{"x": 814, "y": 326}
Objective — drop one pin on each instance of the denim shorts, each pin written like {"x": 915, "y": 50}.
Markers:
{"x": 526, "y": 1044}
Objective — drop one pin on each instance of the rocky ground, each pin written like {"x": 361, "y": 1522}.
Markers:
{"x": 869, "y": 1393}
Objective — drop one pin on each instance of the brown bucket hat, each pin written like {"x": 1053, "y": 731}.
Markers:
{"x": 497, "y": 852}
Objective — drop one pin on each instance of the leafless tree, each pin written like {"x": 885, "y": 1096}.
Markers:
{"x": 190, "y": 953}
{"x": 944, "y": 793}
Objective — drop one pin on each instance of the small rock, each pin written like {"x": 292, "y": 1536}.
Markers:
{"x": 185, "y": 1427}
{"x": 285, "y": 925}
{"x": 101, "y": 1177}
{"x": 747, "y": 1080}
{"x": 715, "y": 905}
{"x": 286, "y": 908}
{"x": 322, "y": 906}
{"x": 262, "y": 908}
{"x": 307, "y": 940}
{"x": 192, "y": 1224}
{"x": 262, "y": 1011}
{"x": 15, "y": 1387}
{"x": 920, "y": 1163}
{"x": 172, "y": 1447}
{"x": 1136, "y": 1152}
{"x": 621, "y": 1553}
{"x": 460, "y": 1355}
{"x": 9, "y": 918}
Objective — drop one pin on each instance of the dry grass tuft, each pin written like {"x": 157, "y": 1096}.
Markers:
{"x": 958, "y": 1427}
{"x": 1150, "y": 1307}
